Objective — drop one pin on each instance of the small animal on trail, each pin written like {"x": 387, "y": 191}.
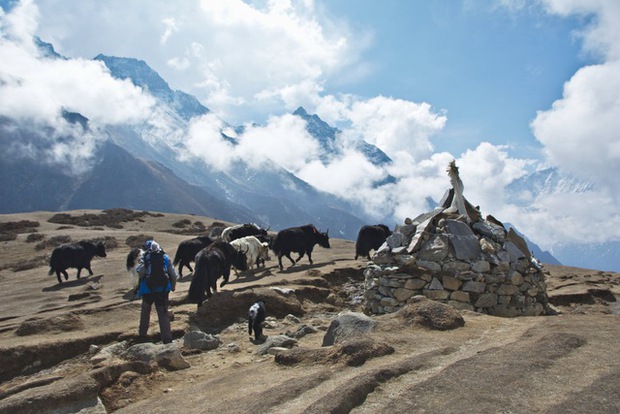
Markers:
{"x": 133, "y": 258}
{"x": 254, "y": 249}
{"x": 213, "y": 262}
{"x": 370, "y": 238}
{"x": 256, "y": 317}
{"x": 236, "y": 232}
{"x": 187, "y": 250}
{"x": 300, "y": 240}
{"x": 75, "y": 255}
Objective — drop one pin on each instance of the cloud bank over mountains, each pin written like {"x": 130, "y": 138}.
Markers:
{"x": 247, "y": 60}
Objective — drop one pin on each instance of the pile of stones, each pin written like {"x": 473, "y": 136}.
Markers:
{"x": 458, "y": 258}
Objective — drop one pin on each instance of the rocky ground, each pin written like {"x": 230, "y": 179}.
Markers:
{"x": 60, "y": 346}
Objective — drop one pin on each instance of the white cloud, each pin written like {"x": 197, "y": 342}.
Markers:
{"x": 283, "y": 140}
{"x": 171, "y": 26}
{"x": 36, "y": 87}
{"x": 243, "y": 60}
{"x": 396, "y": 125}
{"x": 580, "y": 130}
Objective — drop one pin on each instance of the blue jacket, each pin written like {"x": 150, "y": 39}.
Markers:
{"x": 172, "y": 277}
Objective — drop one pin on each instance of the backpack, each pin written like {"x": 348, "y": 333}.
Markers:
{"x": 156, "y": 276}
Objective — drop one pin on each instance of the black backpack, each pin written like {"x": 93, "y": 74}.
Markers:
{"x": 156, "y": 276}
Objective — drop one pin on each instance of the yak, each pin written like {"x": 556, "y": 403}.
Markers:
{"x": 256, "y": 251}
{"x": 369, "y": 238}
{"x": 300, "y": 240}
{"x": 76, "y": 255}
{"x": 236, "y": 232}
{"x": 212, "y": 262}
{"x": 133, "y": 258}
{"x": 187, "y": 250}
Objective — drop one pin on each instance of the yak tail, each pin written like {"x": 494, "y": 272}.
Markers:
{"x": 51, "y": 272}
{"x": 177, "y": 258}
{"x": 196, "y": 291}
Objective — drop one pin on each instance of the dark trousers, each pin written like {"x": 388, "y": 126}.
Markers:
{"x": 161, "y": 305}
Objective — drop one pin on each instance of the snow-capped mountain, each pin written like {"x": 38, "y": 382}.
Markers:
{"x": 154, "y": 154}
{"x": 547, "y": 182}
{"x": 326, "y": 136}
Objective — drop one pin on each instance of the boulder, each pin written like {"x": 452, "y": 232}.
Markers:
{"x": 348, "y": 325}
{"x": 277, "y": 341}
{"x": 201, "y": 340}
{"x": 167, "y": 356}
{"x": 431, "y": 314}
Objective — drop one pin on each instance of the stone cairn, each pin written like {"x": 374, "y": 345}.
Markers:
{"x": 454, "y": 256}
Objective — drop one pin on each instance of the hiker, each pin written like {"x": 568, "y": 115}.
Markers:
{"x": 157, "y": 279}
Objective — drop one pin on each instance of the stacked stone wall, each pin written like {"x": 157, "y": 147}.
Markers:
{"x": 478, "y": 267}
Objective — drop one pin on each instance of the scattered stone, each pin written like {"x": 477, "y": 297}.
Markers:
{"x": 276, "y": 350}
{"x": 279, "y": 341}
{"x": 233, "y": 348}
{"x": 347, "y": 325}
{"x": 292, "y": 319}
{"x": 167, "y": 356}
{"x": 352, "y": 352}
{"x": 109, "y": 352}
{"x": 302, "y": 331}
{"x": 201, "y": 340}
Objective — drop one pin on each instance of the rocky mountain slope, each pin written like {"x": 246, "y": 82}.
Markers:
{"x": 68, "y": 348}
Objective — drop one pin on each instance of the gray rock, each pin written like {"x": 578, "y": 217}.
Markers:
{"x": 481, "y": 266}
{"x": 463, "y": 240}
{"x": 200, "y": 340}
{"x": 435, "y": 249}
{"x": 276, "y": 341}
{"x": 474, "y": 287}
{"x": 347, "y": 325}
{"x": 402, "y": 294}
{"x": 491, "y": 230}
{"x": 167, "y": 356}
{"x": 486, "y": 300}
{"x": 518, "y": 241}
{"x": 109, "y": 352}
{"x": 414, "y": 284}
{"x": 396, "y": 240}
{"x": 435, "y": 285}
{"x": 302, "y": 331}
{"x": 456, "y": 266}
{"x": 419, "y": 237}
{"x": 514, "y": 252}
{"x": 432, "y": 266}
{"x": 451, "y": 283}
{"x": 436, "y": 294}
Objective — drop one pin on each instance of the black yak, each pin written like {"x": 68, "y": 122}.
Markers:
{"x": 212, "y": 262}
{"x": 370, "y": 238}
{"x": 77, "y": 255}
{"x": 187, "y": 250}
{"x": 300, "y": 240}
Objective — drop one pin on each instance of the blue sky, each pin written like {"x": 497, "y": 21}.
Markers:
{"x": 490, "y": 67}
{"x": 505, "y": 87}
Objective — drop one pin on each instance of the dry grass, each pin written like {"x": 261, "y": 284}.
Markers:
{"x": 110, "y": 218}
